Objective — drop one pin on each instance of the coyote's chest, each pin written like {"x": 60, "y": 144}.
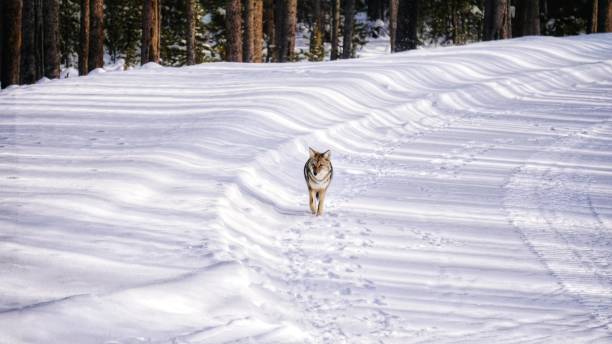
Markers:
{"x": 317, "y": 181}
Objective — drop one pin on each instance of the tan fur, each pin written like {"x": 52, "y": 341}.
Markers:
{"x": 318, "y": 172}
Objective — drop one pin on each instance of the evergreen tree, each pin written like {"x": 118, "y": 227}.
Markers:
{"x": 497, "y": 20}
{"x": 335, "y": 29}
{"x": 406, "y": 35}
{"x": 233, "y": 12}
{"x": 11, "y": 41}
{"x": 151, "y": 27}
{"x": 51, "y": 38}
{"x": 96, "y": 35}
{"x": 190, "y": 30}
{"x": 317, "y": 33}
{"x": 84, "y": 41}
{"x": 32, "y": 45}
{"x": 349, "y": 18}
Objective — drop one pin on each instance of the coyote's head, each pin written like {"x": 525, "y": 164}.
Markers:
{"x": 321, "y": 163}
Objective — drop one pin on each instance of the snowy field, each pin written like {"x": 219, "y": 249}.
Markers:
{"x": 471, "y": 203}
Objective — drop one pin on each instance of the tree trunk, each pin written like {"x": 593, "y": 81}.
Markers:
{"x": 527, "y": 18}
{"x": 317, "y": 52}
{"x": 393, "y": 6}
{"x": 497, "y": 20}
{"x": 270, "y": 31}
{"x": 96, "y": 35}
{"x": 84, "y": 39}
{"x": 406, "y": 36}
{"x": 51, "y": 38}
{"x": 11, "y": 41}
{"x": 234, "y": 31}
{"x": 349, "y": 18}
{"x": 32, "y": 39}
{"x": 286, "y": 16}
{"x": 258, "y": 32}
{"x": 190, "y": 31}
{"x": 604, "y": 16}
{"x": 335, "y": 28}
{"x": 151, "y": 24}
{"x": 291, "y": 27}
{"x": 249, "y": 33}
{"x": 592, "y": 25}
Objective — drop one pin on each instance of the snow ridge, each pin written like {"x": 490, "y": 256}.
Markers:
{"x": 167, "y": 204}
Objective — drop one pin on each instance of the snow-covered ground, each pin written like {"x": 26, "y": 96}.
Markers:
{"x": 472, "y": 201}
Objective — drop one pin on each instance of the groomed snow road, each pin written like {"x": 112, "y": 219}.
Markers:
{"x": 472, "y": 201}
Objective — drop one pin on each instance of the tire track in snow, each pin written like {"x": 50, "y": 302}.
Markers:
{"x": 544, "y": 199}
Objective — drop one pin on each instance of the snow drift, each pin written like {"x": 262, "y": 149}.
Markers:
{"x": 471, "y": 201}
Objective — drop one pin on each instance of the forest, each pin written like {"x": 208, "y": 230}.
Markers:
{"x": 55, "y": 38}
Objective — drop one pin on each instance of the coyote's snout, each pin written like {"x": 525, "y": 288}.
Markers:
{"x": 318, "y": 173}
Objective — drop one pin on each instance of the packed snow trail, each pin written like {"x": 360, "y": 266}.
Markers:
{"x": 471, "y": 201}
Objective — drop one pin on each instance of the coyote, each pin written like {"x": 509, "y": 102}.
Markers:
{"x": 318, "y": 173}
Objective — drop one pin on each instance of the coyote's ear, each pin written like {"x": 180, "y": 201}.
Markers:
{"x": 327, "y": 155}
{"x": 312, "y": 152}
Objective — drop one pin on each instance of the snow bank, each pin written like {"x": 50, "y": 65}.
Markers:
{"x": 470, "y": 201}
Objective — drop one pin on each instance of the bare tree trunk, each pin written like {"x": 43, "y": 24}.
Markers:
{"x": 527, "y": 21}
{"x": 592, "y": 28}
{"x": 248, "y": 39}
{"x": 96, "y": 35}
{"x": 291, "y": 27}
{"x": 190, "y": 31}
{"x": 335, "y": 27}
{"x": 270, "y": 31}
{"x": 84, "y": 41}
{"x": 604, "y": 16}
{"x": 497, "y": 20}
{"x": 393, "y": 7}
{"x": 234, "y": 31}
{"x": 151, "y": 24}
{"x": 51, "y": 39}
{"x": 317, "y": 52}
{"x": 349, "y": 18}
{"x": 11, "y": 41}
{"x": 32, "y": 35}
{"x": 406, "y": 36}
{"x": 286, "y": 16}
{"x": 258, "y": 32}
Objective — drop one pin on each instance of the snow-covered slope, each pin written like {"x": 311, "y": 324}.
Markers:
{"x": 471, "y": 201}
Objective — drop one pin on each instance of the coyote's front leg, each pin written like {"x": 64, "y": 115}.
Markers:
{"x": 311, "y": 195}
{"x": 321, "y": 200}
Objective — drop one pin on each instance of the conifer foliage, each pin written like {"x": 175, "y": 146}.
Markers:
{"x": 39, "y": 37}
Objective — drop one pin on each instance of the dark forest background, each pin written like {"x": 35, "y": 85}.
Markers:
{"x": 42, "y": 38}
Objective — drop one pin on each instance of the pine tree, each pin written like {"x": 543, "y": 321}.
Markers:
{"x": 233, "y": 12}
{"x": 527, "y": 18}
{"x": 349, "y": 18}
{"x": 96, "y": 35}
{"x": 406, "y": 32}
{"x": 258, "y": 32}
{"x": 317, "y": 52}
{"x": 190, "y": 31}
{"x": 51, "y": 38}
{"x": 335, "y": 29}
{"x": 84, "y": 46}
{"x": 291, "y": 27}
{"x": 11, "y": 41}
{"x": 151, "y": 26}
{"x": 286, "y": 15}
{"x": 249, "y": 31}
{"x": 604, "y": 16}
{"x": 270, "y": 31}
{"x": 497, "y": 20}
{"x": 393, "y": 7}
{"x": 31, "y": 52}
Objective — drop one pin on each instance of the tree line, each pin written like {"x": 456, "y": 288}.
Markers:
{"x": 37, "y": 36}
